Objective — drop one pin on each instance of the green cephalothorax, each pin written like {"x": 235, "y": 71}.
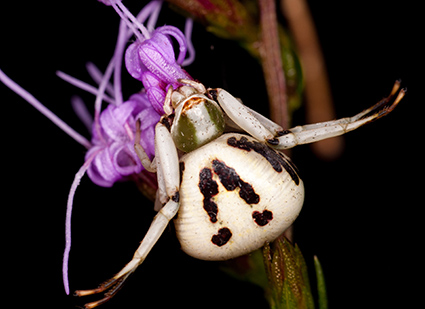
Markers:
{"x": 198, "y": 120}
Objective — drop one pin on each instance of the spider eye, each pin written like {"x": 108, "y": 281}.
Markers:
{"x": 198, "y": 120}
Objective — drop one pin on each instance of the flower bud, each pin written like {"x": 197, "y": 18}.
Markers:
{"x": 286, "y": 270}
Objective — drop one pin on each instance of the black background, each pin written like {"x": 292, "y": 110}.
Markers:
{"x": 362, "y": 215}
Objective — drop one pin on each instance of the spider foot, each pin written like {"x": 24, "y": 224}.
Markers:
{"x": 386, "y": 105}
{"x": 111, "y": 286}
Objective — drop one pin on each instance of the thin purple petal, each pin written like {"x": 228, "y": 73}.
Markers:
{"x": 44, "y": 110}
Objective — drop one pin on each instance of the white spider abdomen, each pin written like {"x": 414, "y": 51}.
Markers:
{"x": 236, "y": 194}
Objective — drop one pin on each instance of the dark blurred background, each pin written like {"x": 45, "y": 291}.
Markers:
{"x": 363, "y": 211}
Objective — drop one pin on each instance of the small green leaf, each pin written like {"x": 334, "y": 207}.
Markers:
{"x": 309, "y": 301}
{"x": 321, "y": 286}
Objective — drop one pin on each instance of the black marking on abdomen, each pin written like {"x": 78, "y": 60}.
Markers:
{"x": 262, "y": 218}
{"x": 276, "y": 159}
{"x": 182, "y": 167}
{"x": 231, "y": 180}
{"x": 208, "y": 188}
{"x": 222, "y": 237}
{"x": 291, "y": 168}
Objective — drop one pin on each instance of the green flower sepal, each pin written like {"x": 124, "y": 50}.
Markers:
{"x": 289, "y": 285}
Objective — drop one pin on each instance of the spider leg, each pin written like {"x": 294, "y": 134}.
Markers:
{"x": 242, "y": 116}
{"x": 315, "y": 132}
{"x": 168, "y": 109}
{"x": 266, "y": 130}
{"x": 168, "y": 167}
{"x": 140, "y": 151}
{"x": 113, "y": 285}
{"x": 267, "y": 123}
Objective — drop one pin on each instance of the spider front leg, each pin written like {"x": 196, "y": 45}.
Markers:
{"x": 242, "y": 116}
{"x": 315, "y": 132}
{"x": 266, "y": 130}
{"x": 141, "y": 153}
{"x": 167, "y": 168}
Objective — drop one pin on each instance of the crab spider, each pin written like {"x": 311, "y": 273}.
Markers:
{"x": 229, "y": 193}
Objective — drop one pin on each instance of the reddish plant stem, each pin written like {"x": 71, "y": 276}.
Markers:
{"x": 271, "y": 61}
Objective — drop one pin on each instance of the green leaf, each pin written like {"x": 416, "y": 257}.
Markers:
{"x": 321, "y": 286}
{"x": 304, "y": 272}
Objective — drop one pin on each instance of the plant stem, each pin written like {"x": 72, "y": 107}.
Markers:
{"x": 271, "y": 61}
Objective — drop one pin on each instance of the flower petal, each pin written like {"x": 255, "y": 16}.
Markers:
{"x": 179, "y": 36}
{"x": 125, "y": 160}
{"x": 113, "y": 118}
{"x": 155, "y": 91}
{"x": 102, "y": 171}
{"x": 132, "y": 62}
{"x": 116, "y": 158}
{"x": 156, "y": 58}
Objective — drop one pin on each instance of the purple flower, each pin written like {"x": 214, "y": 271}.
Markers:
{"x": 116, "y": 157}
{"x": 153, "y": 62}
{"x": 110, "y": 156}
